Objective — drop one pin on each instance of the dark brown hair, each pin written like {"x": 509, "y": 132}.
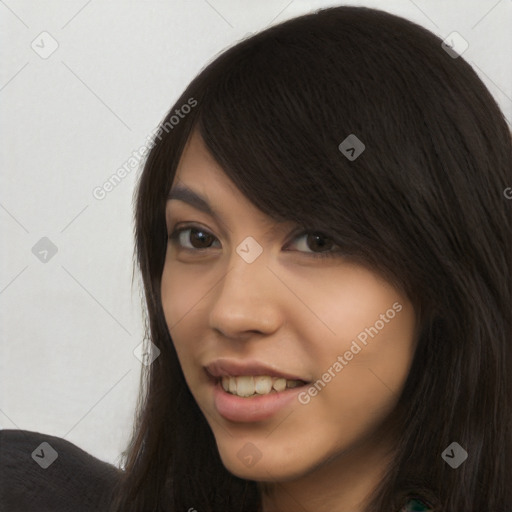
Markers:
{"x": 423, "y": 204}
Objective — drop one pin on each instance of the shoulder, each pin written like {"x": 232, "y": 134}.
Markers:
{"x": 40, "y": 472}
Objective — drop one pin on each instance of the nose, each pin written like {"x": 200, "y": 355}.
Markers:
{"x": 248, "y": 299}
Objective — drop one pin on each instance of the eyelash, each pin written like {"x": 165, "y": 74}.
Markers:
{"x": 174, "y": 238}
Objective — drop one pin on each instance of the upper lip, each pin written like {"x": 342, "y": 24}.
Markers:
{"x": 233, "y": 367}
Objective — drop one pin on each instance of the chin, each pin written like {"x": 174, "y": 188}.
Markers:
{"x": 266, "y": 469}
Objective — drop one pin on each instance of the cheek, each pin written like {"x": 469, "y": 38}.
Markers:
{"x": 369, "y": 381}
{"x": 354, "y": 303}
{"x": 358, "y": 298}
{"x": 174, "y": 303}
{"x": 179, "y": 303}
{"x": 182, "y": 292}
{"x": 362, "y": 364}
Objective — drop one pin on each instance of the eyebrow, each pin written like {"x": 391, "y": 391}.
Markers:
{"x": 187, "y": 195}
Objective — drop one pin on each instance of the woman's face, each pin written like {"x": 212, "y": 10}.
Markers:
{"x": 243, "y": 289}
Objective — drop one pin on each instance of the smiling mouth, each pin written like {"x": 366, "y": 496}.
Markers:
{"x": 247, "y": 386}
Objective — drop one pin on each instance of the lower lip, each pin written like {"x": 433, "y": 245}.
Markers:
{"x": 256, "y": 408}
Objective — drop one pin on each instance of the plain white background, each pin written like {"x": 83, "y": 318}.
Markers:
{"x": 69, "y": 325}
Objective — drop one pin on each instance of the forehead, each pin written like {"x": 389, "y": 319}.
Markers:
{"x": 198, "y": 168}
{"x": 200, "y": 182}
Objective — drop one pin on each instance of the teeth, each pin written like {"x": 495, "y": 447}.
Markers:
{"x": 279, "y": 384}
{"x": 247, "y": 385}
{"x": 231, "y": 385}
{"x": 262, "y": 385}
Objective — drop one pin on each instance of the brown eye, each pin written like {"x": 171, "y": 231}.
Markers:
{"x": 197, "y": 238}
{"x": 316, "y": 244}
{"x": 319, "y": 242}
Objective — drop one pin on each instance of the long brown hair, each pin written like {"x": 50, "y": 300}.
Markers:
{"x": 423, "y": 204}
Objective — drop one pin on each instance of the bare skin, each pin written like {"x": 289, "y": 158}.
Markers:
{"x": 298, "y": 314}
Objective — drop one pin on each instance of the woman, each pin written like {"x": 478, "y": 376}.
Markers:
{"x": 325, "y": 251}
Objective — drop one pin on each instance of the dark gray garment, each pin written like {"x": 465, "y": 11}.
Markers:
{"x": 73, "y": 481}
